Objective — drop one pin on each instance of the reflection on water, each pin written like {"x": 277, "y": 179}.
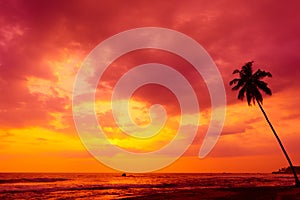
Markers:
{"x": 114, "y": 185}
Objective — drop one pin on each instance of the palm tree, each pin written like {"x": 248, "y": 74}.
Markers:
{"x": 250, "y": 84}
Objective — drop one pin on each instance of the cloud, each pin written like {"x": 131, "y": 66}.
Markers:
{"x": 35, "y": 33}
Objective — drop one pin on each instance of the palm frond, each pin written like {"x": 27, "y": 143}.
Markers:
{"x": 247, "y": 69}
{"x": 249, "y": 97}
{"x": 250, "y": 63}
{"x": 236, "y": 71}
{"x": 239, "y": 84}
{"x": 259, "y": 74}
{"x": 257, "y": 95}
{"x": 264, "y": 87}
{"x": 264, "y": 74}
{"x": 234, "y": 81}
{"x": 241, "y": 94}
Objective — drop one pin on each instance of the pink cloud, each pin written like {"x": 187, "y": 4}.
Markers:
{"x": 232, "y": 32}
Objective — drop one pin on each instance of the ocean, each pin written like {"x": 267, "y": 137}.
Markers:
{"x": 115, "y": 186}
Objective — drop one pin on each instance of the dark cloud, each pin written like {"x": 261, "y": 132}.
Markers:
{"x": 34, "y": 32}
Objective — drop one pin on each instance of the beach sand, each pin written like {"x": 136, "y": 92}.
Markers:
{"x": 261, "y": 193}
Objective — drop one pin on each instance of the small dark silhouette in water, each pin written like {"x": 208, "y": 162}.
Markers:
{"x": 124, "y": 174}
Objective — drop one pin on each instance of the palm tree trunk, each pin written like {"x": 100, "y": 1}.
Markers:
{"x": 297, "y": 182}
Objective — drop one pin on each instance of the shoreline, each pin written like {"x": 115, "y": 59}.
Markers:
{"x": 235, "y": 193}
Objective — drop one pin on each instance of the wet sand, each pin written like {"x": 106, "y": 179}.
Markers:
{"x": 261, "y": 193}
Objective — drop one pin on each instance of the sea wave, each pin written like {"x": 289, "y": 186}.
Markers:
{"x": 31, "y": 180}
{"x": 114, "y": 186}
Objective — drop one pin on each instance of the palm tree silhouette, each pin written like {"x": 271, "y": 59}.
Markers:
{"x": 250, "y": 84}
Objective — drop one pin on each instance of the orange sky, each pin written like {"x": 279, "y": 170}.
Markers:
{"x": 42, "y": 46}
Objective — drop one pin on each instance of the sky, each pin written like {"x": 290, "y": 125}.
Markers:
{"x": 44, "y": 43}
